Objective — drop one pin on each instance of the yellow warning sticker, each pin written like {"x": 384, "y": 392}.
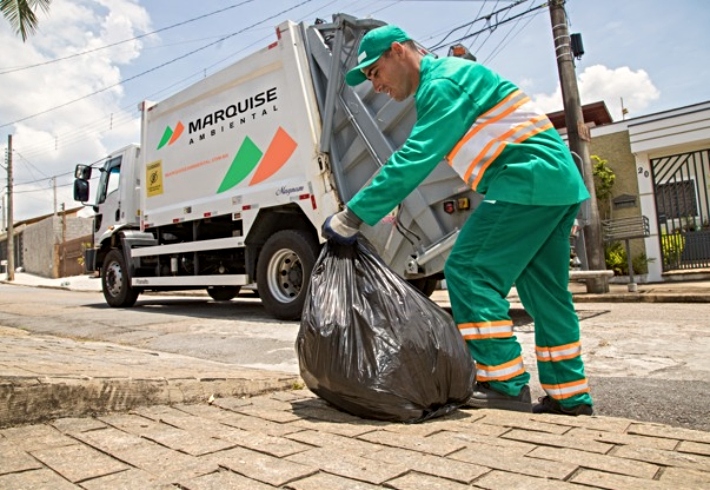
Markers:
{"x": 154, "y": 178}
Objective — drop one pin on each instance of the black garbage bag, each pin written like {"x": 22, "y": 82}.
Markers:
{"x": 374, "y": 346}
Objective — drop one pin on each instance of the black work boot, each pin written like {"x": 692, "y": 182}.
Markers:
{"x": 547, "y": 404}
{"x": 486, "y": 397}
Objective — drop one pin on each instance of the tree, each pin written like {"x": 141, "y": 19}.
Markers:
{"x": 604, "y": 178}
{"x": 21, "y": 14}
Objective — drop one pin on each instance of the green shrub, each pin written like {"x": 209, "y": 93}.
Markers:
{"x": 673, "y": 245}
{"x": 615, "y": 256}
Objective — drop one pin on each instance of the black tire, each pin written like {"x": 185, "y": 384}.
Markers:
{"x": 426, "y": 285}
{"x": 115, "y": 282}
{"x": 283, "y": 271}
{"x": 223, "y": 293}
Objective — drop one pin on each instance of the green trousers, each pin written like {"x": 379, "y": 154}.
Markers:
{"x": 501, "y": 245}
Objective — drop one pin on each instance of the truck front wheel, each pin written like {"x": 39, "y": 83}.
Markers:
{"x": 283, "y": 271}
{"x": 115, "y": 281}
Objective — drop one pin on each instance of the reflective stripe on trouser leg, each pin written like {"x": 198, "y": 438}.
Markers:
{"x": 543, "y": 289}
{"x": 479, "y": 275}
{"x": 492, "y": 331}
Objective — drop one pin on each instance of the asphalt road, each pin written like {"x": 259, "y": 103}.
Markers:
{"x": 645, "y": 361}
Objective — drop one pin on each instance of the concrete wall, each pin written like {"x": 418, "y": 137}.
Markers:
{"x": 38, "y": 248}
{"x": 39, "y": 240}
{"x": 616, "y": 149}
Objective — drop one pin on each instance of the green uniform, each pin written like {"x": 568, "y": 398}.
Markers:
{"x": 484, "y": 127}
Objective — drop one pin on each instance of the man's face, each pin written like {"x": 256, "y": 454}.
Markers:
{"x": 388, "y": 74}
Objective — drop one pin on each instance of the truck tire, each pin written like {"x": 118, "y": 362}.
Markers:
{"x": 222, "y": 293}
{"x": 115, "y": 282}
{"x": 426, "y": 285}
{"x": 283, "y": 271}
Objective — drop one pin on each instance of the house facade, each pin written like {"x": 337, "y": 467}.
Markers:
{"x": 662, "y": 164}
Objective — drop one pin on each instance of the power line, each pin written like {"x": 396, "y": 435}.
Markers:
{"x": 122, "y": 118}
{"x": 468, "y": 24}
{"x": 498, "y": 23}
{"x": 154, "y": 68}
{"x": 501, "y": 44}
{"x": 77, "y": 135}
{"x": 106, "y": 46}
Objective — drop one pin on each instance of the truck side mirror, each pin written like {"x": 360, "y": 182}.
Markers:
{"x": 81, "y": 190}
{"x": 82, "y": 172}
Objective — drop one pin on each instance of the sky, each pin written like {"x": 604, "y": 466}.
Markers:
{"x": 70, "y": 93}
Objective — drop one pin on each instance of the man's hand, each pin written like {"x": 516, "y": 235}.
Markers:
{"x": 342, "y": 227}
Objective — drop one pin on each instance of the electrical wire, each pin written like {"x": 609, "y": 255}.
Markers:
{"x": 474, "y": 21}
{"x": 509, "y": 19}
{"x": 499, "y": 48}
{"x": 123, "y": 118}
{"x": 162, "y": 65}
{"x": 77, "y": 135}
{"x": 129, "y": 118}
{"x": 106, "y": 46}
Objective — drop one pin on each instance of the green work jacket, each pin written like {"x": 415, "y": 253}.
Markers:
{"x": 486, "y": 129}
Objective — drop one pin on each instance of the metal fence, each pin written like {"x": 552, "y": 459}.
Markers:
{"x": 682, "y": 205}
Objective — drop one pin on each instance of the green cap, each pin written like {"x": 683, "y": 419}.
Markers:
{"x": 372, "y": 46}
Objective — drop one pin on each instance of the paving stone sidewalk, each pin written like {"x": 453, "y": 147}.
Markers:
{"x": 150, "y": 426}
{"x": 293, "y": 440}
{"x": 43, "y": 377}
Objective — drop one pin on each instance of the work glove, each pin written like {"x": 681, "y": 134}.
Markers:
{"x": 342, "y": 227}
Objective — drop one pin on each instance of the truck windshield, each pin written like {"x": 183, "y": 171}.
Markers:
{"x": 110, "y": 178}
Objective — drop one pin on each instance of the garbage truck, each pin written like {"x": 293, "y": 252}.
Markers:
{"x": 235, "y": 175}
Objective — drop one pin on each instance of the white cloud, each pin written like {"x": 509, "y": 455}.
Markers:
{"x": 600, "y": 83}
{"x": 82, "y": 131}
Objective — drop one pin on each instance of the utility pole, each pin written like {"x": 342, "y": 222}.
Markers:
{"x": 10, "y": 226}
{"x": 54, "y": 188}
{"x": 578, "y": 136}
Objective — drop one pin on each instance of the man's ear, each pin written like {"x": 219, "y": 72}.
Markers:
{"x": 397, "y": 48}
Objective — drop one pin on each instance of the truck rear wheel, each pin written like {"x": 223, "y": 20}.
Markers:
{"x": 115, "y": 281}
{"x": 222, "y": 293}
{"x": 283, "y": 271}
{"x": 426, "y": 285}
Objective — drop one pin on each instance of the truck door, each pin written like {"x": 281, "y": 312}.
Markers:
{"x": 108, "y": 200}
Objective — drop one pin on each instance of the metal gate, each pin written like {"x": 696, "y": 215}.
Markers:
{"x": 71, "y": 256}
{"x": 682, "y": 204}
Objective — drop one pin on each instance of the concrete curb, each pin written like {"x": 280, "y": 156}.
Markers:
{"x": 641, "y": 298}
{"x": 25, "y": 400}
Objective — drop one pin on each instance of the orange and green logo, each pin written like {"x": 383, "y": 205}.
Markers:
{"x": 249, "y": 157}
{"x": 170, "y": 136}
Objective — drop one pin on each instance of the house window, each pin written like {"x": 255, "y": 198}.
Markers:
{"x": 678, "y": 199}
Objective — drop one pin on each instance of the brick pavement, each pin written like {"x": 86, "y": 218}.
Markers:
{"x": 293, "y": 440}
{"x": 154, "y": 430}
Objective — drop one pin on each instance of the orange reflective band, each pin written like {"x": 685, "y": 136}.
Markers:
{"x": 559, "y": 353}
{"x": 499, "y": 111}
{"x": 486, "y": 330}
{"x": 566, "y": 390}
{"x": 533, "y": 132}
{"x": 486, "y": 164}
{"x": 512, "y": 121}
{"x": 500, "y": 372}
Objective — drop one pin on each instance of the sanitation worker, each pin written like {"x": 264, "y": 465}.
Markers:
{"x": 484, "y": 127}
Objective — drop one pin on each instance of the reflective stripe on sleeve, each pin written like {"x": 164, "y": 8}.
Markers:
{"x": 513, "y": 120}
{"x": 486, "y": 330}
{"x": 559, "y": 353}
{"x": 501, "y": 372}
{"x": 566, "y": 390}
